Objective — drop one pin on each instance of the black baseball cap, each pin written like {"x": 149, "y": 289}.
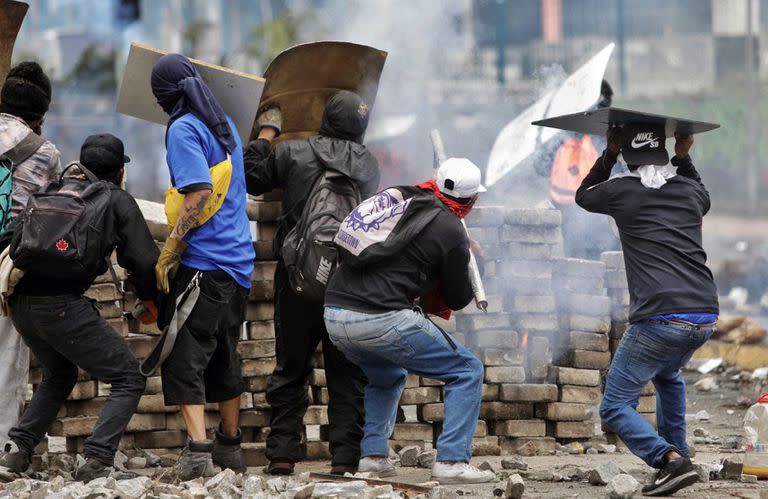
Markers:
{"x": 103, "y": 152}
{"x": 644, "y": 145}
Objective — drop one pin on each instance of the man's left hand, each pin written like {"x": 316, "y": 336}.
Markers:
{"x": 683, "y": 144}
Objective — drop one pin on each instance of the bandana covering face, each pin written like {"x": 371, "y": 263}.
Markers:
{"x": 459, "y": 209}
{"x": 651, "y": 176}
{"x": 179, "y": 90}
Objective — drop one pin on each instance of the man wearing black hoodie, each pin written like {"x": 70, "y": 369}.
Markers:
{"x": 294, "y": 166}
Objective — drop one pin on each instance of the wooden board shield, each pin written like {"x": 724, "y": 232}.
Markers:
{"x": 598, "y": 121}
{"x": 11, "y": 16}
{"x": 302, "y": 78}
{"x": 238, "y": 93}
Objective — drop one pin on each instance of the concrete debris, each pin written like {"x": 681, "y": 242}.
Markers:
{"x": 592, "y": 451}
{"x": 731, "y": 469}
{"x": 622, "y": 487}
{"x": 409, "y": 455}
{"x": 706, "y": 384}
{"x": 253, "y": 485}
{"x": 541, "y": 476}
{"x": 603, "y": 474}
{"x": 300, "y": 492}
{"x": 277, "y": 484}
{"x": 136, "y": 463}
{"x": 133, "y": 488}
{"x": 152, "y": 458}
{"x": 702, "y": 415}
{"x": 121, "y": 460}
{"x": 515, "y": 487}
{"x": 700, "y": 432}
{"x": 760, "y": 373}
{"x": 345, "y": 489}
{"x": 528, "y": 449}
{"x": 749, "y": 478}
{"x": 486, "y": 466}
{"x": 606, "y": 448}
{"x": 710, "y": 365}
{"x": 443, "y": 492}
{"x": 61, "y": 462}
{"x": 226, "y": 477}
{"x": 708, "y": 472}
{"x": 514, "y": 463}
{"x": 427, "y": 458}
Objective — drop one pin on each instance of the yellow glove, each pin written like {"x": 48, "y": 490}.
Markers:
{"x": 168, "y": 263}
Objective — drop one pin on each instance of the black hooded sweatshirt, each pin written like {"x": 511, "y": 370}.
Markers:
{"x": 295, "y": 165}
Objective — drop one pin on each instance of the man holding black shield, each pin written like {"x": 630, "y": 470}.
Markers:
{"x": 658, "y": 208}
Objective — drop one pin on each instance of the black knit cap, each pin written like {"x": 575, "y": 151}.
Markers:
{"x": 26, "y": 92}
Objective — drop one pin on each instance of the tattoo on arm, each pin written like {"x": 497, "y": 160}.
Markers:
{"x": 194, "y": 203}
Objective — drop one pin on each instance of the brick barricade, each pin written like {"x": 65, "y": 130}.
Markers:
{"x": 546, "y": 344}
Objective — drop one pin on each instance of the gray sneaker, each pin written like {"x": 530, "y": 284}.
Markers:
{"x": 195, "y": 461}
{"x": 227, "y": 452}
{"x": 15, "y": 458}
{"x": 377, "y": 467}
{"x": 92, "y": 469}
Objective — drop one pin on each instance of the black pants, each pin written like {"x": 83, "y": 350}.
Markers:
{"x": 204, "y": 365}
{"x": 66, "y": 332}
{"x": 299, "y": 327}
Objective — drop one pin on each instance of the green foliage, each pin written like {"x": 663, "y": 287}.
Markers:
{"x": 272, "y": 37}
{"x": 194, "y": 33}
{"x": 726, "y": 147}
{"x": 94, "y": 70}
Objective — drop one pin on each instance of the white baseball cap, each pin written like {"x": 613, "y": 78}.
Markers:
{"x": 459, "y": 178}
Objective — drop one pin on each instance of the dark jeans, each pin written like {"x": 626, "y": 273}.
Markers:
{"x": 651, "y": 351}
{"x": 299, "y": 327}
{"x": 66, "y": 332}
{"x": 204, "y": 365}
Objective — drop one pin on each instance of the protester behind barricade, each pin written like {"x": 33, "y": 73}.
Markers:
{"x": 570, "y": 164}
{"x": 62, "y": 327}
{"x": 209, "y": 247}
{"x": 658, "y": 209}
{"x": 24, "y": 101}
{"x": 297, "y": 166}
{"x": 399, "y": 245}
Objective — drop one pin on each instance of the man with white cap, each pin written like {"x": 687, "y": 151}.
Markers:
{"x": 395, "y": 247}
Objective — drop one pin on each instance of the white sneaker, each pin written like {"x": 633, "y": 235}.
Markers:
{"x": 445, "y": 472}
{"x": 378, "y": 467}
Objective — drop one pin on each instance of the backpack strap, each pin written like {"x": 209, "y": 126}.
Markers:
{"x": 24, "y": 149}
{"x": 88, "y": 174}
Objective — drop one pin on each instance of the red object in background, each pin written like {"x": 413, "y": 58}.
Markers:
{"x": 433, "y": 304}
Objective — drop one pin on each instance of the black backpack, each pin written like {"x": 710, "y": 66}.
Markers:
{"x": 309, "y": 253}
{"x": 8, "y": 162}
{"x": 63, "y": 228}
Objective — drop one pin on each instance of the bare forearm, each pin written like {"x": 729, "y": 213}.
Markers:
{"x": 194, "y": 202}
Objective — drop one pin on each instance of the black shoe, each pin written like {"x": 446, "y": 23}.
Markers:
{"x": 91, "y": 470}
{"x": 279, "y": 468}
{"x": 227, "y": 452}
{"x": 342, "y": 469}
{"x": 675, "y": 475}
{"x": 15, "y": 458}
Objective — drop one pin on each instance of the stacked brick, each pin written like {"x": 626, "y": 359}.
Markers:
{"x": 581, "y": 348}
{"x": 618, "y": 291}
{"x": 158, "y": 427}
{"x": 544, "y": 343}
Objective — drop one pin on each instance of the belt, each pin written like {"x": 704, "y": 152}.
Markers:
{"x": 679, "y": 323}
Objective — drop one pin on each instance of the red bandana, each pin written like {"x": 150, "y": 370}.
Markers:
{"x": 459, "y": 209}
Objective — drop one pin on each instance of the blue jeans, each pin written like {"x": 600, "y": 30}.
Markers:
{"x": 390, "y": 345}
{"x": 651, "y": 351}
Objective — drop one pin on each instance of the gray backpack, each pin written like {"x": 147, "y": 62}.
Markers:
{"x": 309, "y": 253}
